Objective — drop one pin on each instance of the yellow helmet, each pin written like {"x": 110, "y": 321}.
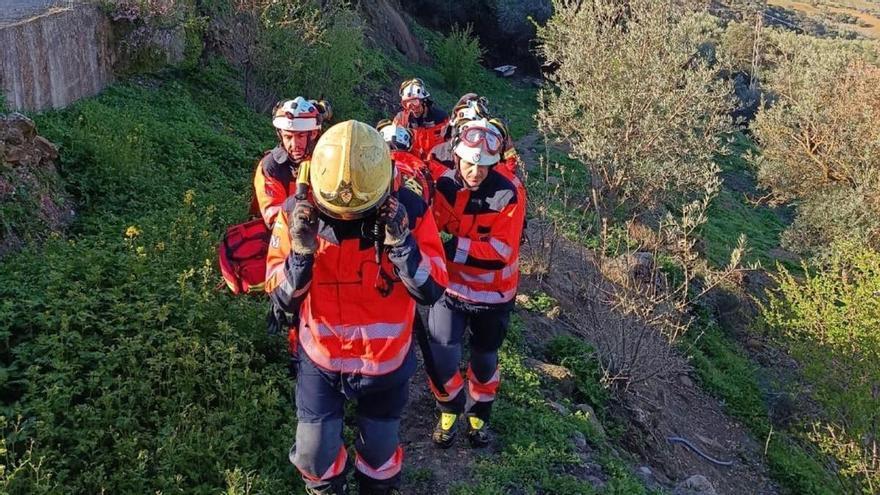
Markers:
{"x": 350, "y": 171}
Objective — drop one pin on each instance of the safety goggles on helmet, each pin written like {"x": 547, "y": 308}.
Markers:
{"x": 413, "y": 89}
{"x": 474, "y": 136}
{"x": 297, "y": 114}
{"x": 470, "y": 109}
{"x": 397, "y": 137}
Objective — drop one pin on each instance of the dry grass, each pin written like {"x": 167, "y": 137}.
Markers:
{"x": 850, "y": 7}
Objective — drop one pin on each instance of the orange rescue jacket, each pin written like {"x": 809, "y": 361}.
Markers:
{"x": 274, "y": 181}
{"x": 427, "y": 130}
{"x": 413, "y": 173}
{"x": 486, "y": 225}
{"x": 356, "y": 316}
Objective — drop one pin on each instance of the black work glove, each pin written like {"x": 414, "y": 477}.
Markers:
{"x": 304, "y": 228}
{"x": 449, "y": 247}
{"x": 393, "y": 215}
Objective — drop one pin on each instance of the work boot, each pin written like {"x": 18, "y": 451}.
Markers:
{"x": 379, "y": 491}
{"x": 337, "y": 487}
{"x": 477, "y": 434}
{"x": 444, "y": 432}
{"x": 370, "y": 486}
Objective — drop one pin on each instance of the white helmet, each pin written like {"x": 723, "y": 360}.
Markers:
{"x": 297, "y": 114}
{"x": 413, "y": 88}
{"x": 478, "y": 142}
{"x": 397, "y": 137}
{"x": 469, "y": 107}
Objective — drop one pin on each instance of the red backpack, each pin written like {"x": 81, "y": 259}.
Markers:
{"x": 242, "y": 254}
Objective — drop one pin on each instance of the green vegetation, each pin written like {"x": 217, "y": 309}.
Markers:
{"x": 820, "y": 144}
{"x": 828, "y": 321}
{"x": 646, "y": 127}
{"x": 732, "y": 215}
{"x": 331, "y": 59}
{"x": 724, "y": 371}
{"x": 581, "y": 359}
{"x": 457, "y": 57}
{"x": 124, "y": 369}
{"x": 537, "y": 449}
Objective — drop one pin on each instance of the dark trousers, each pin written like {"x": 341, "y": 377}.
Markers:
{"x": 319, "y": 452}
{"x": 441, "y": 345}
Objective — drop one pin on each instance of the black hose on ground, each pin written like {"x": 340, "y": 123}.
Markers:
{"x": 698, "y": 451}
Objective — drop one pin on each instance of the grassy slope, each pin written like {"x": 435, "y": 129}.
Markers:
{"x": 722, "y": 366}
{"x": 126, "y": 369}
{"x": 731, "y": 215}
{"x": 725, "y": 371}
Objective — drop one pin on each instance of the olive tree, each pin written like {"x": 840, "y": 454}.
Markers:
{"x": 635, "y": 100}
{"x": 820, "y": 140}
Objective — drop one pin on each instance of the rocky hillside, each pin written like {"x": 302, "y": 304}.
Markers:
{"x": 35, "y": 203}
{"x": 126, "y": 367}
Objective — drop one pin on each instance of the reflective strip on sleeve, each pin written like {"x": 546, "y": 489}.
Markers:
{"x": 501, "y": 248}
{"x": 461, "y": 250}
{"x": 425, "y": 267}
{"x": 270, "y": 213}
{"x": 285, "y": 286}
{"x": 510, "y": 269}
{"x": 424, "y": 271}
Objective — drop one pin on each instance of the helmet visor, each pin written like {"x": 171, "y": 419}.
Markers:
{"x": 474, "y": 136}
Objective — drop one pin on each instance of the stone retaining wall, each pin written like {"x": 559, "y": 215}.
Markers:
{"x": 54, "y": 58}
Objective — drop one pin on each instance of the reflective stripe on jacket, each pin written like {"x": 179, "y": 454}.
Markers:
{"x": 355, "y": 316}
{"x": 274, "y": 181}
{"x": 486, "y": 225}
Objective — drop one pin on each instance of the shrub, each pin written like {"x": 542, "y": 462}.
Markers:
{"x": 829, "y": 322}
{"x": 821, "y": 142}
{"x": 457, "y": 57}
{"x": 582, "y": 360}
{"x": 123, "y": 369}
{"x": 300, "y": 47}
{"x": 634, "y": 100}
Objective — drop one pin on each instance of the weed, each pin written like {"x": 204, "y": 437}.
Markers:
{"x": 727, "y": 374}
{"x": 130, "y": 372}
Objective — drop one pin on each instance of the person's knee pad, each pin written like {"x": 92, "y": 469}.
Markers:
{"x": 445, "y": 360}
{"x": 319, "y": 453}
{"x": 489, "y": 330}
{"x": 379, "y": 455}
{"x": 484, "y": 365}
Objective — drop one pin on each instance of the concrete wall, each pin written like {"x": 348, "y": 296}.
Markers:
{"x": 55, "y": 58}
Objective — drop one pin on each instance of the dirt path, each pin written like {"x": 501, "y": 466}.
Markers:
{"x": 657, "y": 409}
{"x": 431, "y": 470}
